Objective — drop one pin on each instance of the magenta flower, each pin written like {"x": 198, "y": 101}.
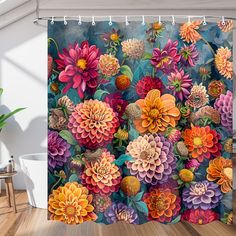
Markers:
{"x": 117, "y": 104}
{"x": 189, "y": 55}
{"x": 167, "y": 58}
{"x": 179, "y": 84}
{"x": 79, "y": 67}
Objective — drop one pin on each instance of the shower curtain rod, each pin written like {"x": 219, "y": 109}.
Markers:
{"x": 131, "y": 17}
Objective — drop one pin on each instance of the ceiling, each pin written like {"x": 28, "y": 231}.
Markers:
{"x": 13, "y": 10}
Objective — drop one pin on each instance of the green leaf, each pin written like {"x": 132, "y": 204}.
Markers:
{"x": 122, "y": 159}
{"x": 142, "y": 207}
{"x": 125, "y": 70}
{"x": 209, "y": 61}
{"x": 175, "y": 177}
{"x": 147, "y": 56}
{"x": 100, "y": 217}
{"x": 99, "y": 94}
{"x": 175, "y": 220}
{"x": 73, "y": 178}
{"x": 1, "y": 91}
{"x": 11, "y": 114}
{"x": 138, "y": 197}
{"x": 65, "y": 134}
{"x": 78, "y": 148}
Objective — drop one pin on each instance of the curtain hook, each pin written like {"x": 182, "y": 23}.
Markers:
{"x": 110, "y": 21}
{"x": 223, "y": 20}
{"x": 126, "y": 20}
{"x": 143, "y": 20}
{"x": 189, "y": 19}
{"x": 93, "y": 20}
{"x": 52, "y": 20}
{"x": 159, "y": 20}
{"x": 204, "y": 20}
{"x": 65, "y": 22}
{"x": 80, "y": 21}
{"x": 173, "y": 20}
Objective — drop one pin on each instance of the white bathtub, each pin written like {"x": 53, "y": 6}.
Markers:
{"x": 34, "y": 167}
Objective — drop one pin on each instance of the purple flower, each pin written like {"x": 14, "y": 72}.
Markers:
{"x": 179, "y": 84}
{"x": 224, "y": 105}
{"x": 204, "y": 195}
{"x": 167, "y": 58}
{"x": 121, "y": 212}
{"x": 192, "y": 163}
{"x": 58, "y": 149}
{"x": 189, "y": 55}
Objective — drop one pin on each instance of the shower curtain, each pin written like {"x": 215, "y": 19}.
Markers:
{"x": 140, "y": 122}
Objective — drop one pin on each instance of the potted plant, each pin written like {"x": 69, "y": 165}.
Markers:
{"x": 4, "y": 117}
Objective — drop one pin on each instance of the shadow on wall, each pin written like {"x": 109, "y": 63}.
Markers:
{"x": 18, "y": 141}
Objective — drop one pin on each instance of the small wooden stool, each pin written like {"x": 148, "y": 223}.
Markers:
{"x": 9, "y": 188}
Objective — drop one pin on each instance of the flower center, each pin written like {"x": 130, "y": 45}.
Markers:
{"x": 154, "y": 113}
{"x": 70, "y": 210}
{"x": 163, "y": 60}
{"x": 200, "y": 189}
{"x": 81, "y": 63}
{"x": 158, "y": 204}
{"x": 156, "y": 26}
{"x": 123, "y": 216}
{"x": 102, "y": 171}
{"x": 114, "y": 37}
{"x": 197, "y": 141}
{"x": 200, "y": 221}
{"x": 177, "y": 84}
{"x": 144, "y": 155}
{"x": 186, "y": 53}
{"x": 228, "y": 172}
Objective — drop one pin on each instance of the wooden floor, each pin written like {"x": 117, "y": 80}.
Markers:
{"x": 33, "y": 222}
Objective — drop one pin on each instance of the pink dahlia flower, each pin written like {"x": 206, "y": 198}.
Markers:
{"x": 224, "y": 105}
{"x": 166, "y": 59}
{"x": 148, "y": 83}
{"x": 79, "y": 67}
{"x": 189, "y": 55}
{"x": 117, "y": 104}
{"x": 93, "y": 123}
{"x": 180, "y": 84}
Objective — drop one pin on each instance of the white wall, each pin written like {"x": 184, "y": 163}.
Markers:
{"x": 23, "y": 75}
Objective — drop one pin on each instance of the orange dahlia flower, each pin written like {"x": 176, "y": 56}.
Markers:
{"x": 202, "y": 142}
{"x": 158, "y": 112}
{"x": 162, "y": 204}
{"x": 220, "y": 170}
{"x": 102, "y": 176}
{"x": 71, "y": 204}
{"x": 188, "y": 32}
{"x": 223, "y": 62}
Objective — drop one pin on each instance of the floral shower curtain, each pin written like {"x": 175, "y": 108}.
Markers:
{"x": 140, "y": 122}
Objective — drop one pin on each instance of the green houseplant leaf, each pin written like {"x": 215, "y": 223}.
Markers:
{"x": 67, "y": 135}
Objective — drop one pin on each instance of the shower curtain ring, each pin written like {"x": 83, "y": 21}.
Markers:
{"x": 65, "y": 22}
{"x": 52, "y": 20}
{"x": 143, "y": 20}
{"x": 80, "y": 21}
{"x": 159, "y": 19}
{"x": 93, "y": 21}
{"x": 173, "y": 20}
{"x": 126, "y": 20}
{"x": 189, "y": 19}
{"x": 204, "y": 20}
{"x": 110, "y": 21}
{"x": 223, "y": 20}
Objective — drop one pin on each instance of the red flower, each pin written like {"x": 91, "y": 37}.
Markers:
{"x": 148, "y": 83}
{"x": 199, "y": 216}
{"x": 79, "y": 67}
{"x": 117, "y": 104}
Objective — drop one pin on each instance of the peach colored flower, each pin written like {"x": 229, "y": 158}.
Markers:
{"x": 102, "y": 176}
{"x": 227, "y": 26}
{"x": 108, "y": 65}
{"x": 223, "y": 62}
{"x": 71, "y": 204}
{"x": 133, "y": 48}
{"x": 93, "y": 123}
{"x": 189, "y": 33}
{"x": 220, "y": 170}
{"x": 158, "y": 112}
